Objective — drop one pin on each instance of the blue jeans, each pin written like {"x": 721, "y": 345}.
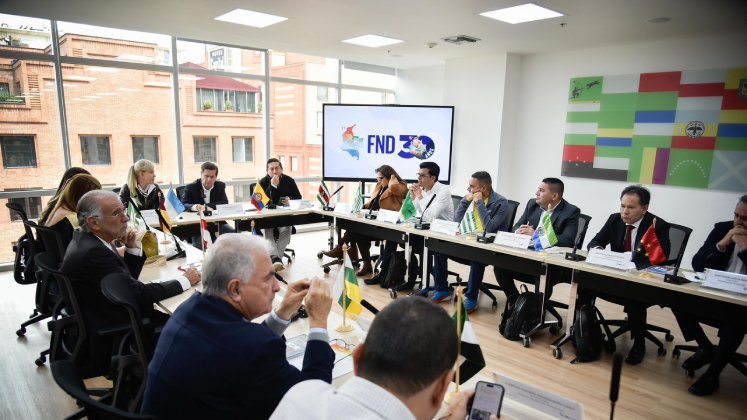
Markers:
{"x": 440, "y": 273}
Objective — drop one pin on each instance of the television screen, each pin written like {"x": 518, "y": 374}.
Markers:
{"x": 357, "y": 139}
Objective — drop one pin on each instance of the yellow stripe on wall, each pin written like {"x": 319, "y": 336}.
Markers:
{"x": 623, "y": 133}
{"x": 710, "y": 130}
{"x": 733, "y": 116}
{"x": 648, "y": 160}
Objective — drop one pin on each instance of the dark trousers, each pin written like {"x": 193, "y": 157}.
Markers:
{"x": 636, "y": 311}
{"x": 731, "y": 335}
{"x": 440, "y": 274}
{"x": 223, "y": 227}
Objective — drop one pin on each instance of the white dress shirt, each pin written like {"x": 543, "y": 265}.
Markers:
{"x": 442, "y": 206}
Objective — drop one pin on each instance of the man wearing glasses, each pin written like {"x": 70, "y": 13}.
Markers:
{"x": 92, "y": 255}
{"x": 442, "y": 207}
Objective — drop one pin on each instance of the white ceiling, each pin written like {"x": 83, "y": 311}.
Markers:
{"x": 317, "y": 26}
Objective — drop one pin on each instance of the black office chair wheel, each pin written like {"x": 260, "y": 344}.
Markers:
{"x": 669, "y": 338}
{"x": 320, "y": 254}
{"x": 557, "y": 353}
{"x": 326, "y": 270}
{"x": 21, "y": 332}
{"x": 40, "y": 361}
{"x": 661, "y": 351}
{"x": 393, "y": 293}
{"x": 610, "y": 346}
{"x": 676, "y": 353}
{"x": 554, "y": 329}
{"x": 527, "y": 341}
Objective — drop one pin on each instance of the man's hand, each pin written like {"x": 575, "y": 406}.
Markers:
{"x": 458, "y": 407}
{"x": 293, "y": 297}
{"x": 275, "y": 181}
{"x": 193, "y": 276}
{"x": 199, "y": 208}
{"x": 740, "y": 236}
{"x": 416, "y": 191}
{"x": 477, "y": 196}
{"x": 525, "y": 230}
{"x": 130, "y": 238}
{"x": 318, "y": 303}
{"x": 731, "y": 237}
{"x": 284, "y": 201}
{"x": 469, "y": 197}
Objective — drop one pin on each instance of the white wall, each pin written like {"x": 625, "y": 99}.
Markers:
{"x": 540, "y": 126}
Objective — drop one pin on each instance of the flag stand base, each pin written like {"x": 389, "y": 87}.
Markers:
{"x": 180, "y": 254}
{"x": 344, "y": 328}
{"x": 328, "y": 208}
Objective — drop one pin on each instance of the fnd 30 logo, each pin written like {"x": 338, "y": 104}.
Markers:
{"x": 421, "y": 147}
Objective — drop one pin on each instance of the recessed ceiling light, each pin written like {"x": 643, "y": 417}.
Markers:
{"x": 250, "y": 18}
{"x": 372, "y": 41}
{"x": 522, "y": 13}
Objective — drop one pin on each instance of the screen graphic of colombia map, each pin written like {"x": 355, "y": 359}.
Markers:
{"x": 421, "y": 147}
{"x": 683, "y": 128}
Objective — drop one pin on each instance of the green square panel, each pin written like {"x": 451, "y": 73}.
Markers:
{"x": 619, "y": 102}
{"x": 657, "y": 101}
{"x": 616, "y": 119}
{"x": 582, "y": 117}
{"x": 689, "y": 167}
{"x": 581, "y": 139}
{"x": 585, "y": 89}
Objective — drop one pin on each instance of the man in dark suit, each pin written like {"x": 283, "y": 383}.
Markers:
{"x": 725, "y": 249}
{"x": 564, "y": 218}
{"x": 91, "y": 256}
{"x": 211, "y": 361}
{"x": 623, "y": 232}
{"x": 206, "y": 193}
{"x": 280, "y": 188}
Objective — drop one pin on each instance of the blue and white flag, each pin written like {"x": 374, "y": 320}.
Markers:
{"x": 174, "y": 206}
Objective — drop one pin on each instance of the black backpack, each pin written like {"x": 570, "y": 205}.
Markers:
{"x": 587, "y": 334}
{"x": 394, "y": 274}
{"x": 520, "y": 314}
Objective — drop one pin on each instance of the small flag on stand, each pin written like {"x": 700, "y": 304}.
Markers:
{"x": 358, "y": 202}
{"x": 649, "y": 252}
{"x": 471, "y": 221}
{"x": 207, "y": 240}
{"x": 346, "y": 288}
{"x": 407, "y": 210}
{"x": 259, "y": 197}
{"x": 470, "y": 360}
{"x": 174, "y": 205}
{"x": 544, "y": 237}
{"x": 323, "y": 194}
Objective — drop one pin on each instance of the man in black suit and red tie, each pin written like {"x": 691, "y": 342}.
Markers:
{"x": 624, "y": 232}
{"x": 725, "y": 249}
{"x": 204, "y": 194}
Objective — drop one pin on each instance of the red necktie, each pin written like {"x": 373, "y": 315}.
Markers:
{"x": 627, "y": 244}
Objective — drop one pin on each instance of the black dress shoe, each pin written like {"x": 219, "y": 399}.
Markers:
{"x": 635, "y": 355}
{"x": 701, "y": 358}
{"x": 405, "y": 286}
{"x": 705, "y": 385}
{"x": 373, "y": 280}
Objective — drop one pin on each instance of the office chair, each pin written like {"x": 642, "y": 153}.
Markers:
{"x": 135, "y": 349}
{"x": 67, "y": 376}
{"x": 486, "y": 288}
{"x": 116, "y": 189}
{"x": 678, "y": 237}
{"x": 50, "y": 239}
{"x": 738, "y": 360}
{"x": 179, "y": 191}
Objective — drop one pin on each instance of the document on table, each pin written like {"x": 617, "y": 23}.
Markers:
{"x": 229, "y": 209}
{"x": 618, "y": 260}
{"x": 513, "y": 240}
{"x": 536, "y": 403}
{"x": 724, "y": 280}
{"x": 295, "y": 348}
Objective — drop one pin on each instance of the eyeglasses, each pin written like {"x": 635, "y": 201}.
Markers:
{"x": 423, "y": 175}
{"x": 117, "y": 214}
{"x": 341, "y": 345}
{"x": 379, "y": 178}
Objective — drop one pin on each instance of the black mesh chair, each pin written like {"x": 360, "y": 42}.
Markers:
{"x": 179, "y": 191}
{"x": 678, "y": 237}
{"x": 135, "y": 349}
{"x": 50, "y": 239}
{"x": 67, "y": 376}
{"x": 289, "y": 254}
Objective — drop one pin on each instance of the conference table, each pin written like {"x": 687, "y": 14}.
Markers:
{"x": 648, "y": 288}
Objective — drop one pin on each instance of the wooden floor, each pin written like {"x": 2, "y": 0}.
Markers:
{"x": 657, "y": 388}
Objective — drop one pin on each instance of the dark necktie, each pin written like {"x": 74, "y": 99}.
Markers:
{"x": 627, "y": 244}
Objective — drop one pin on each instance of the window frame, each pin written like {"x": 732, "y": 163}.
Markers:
{"x": 157, "y": 139}
{"x": 108, "y": 139}
{"x": 31, "y": 137}
{"x": 214, "y": 148}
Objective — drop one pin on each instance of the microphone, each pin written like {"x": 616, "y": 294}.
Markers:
{"x": 617, "y": 363}
{"x": 368, "y": 306}
{"x": 572, "y": 256}
{"x": 370, "y": 214}
{"x": 328, "y": 207}
{"x": 485, "y": 238}
{"x": 424, "y": 226}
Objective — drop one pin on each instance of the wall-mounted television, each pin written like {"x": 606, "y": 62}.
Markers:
{"x": 357, "y": 139}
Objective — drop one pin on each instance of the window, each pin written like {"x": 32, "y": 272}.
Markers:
{"x": 322, "y": 93}
{"x": 241, "y": 193}
{"x": 243, "y": 149}
{"x": 18, "y": 151}
{"x": 31, "y": 205}
{"x": 4, "y": 88}
{"x": 227, "y": 100}
{"x": 95, "y": 150}
{"x": 294, "y": 163}
{"x": 205, "y": 149}
{"x": 145, "y": 148}
{"x": 281, "y": 158}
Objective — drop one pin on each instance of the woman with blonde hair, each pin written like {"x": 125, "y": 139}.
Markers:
{"x": 63, "y": 217}
{"x": 56, "y": 197}
{"x": 141, "y": 186}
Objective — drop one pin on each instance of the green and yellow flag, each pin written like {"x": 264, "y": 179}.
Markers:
{"x": 408, "y": 208}
{"x": 347, "y": 289}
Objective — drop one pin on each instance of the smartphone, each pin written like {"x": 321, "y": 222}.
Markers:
{"x": 486, "y": 401}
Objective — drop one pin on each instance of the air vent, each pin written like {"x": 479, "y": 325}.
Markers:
{"x": 461, "y": 39}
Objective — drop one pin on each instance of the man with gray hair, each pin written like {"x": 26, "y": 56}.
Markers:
{"x": 91, "y": 256}
{"x": 212, "y": 361}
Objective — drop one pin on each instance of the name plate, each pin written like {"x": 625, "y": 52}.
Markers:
{"x": 150, "y": 217}
{"x": 536, "y": 402}
{"x": 724, "y": 280}
{"x": 512, "y": 240}
{"x": 444, "y": 226}
{"x": 342, "y": 208}
{"x": 229, "y": 209}
{"x": 605, "y": 258}
{"x": 388, "y": 216}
